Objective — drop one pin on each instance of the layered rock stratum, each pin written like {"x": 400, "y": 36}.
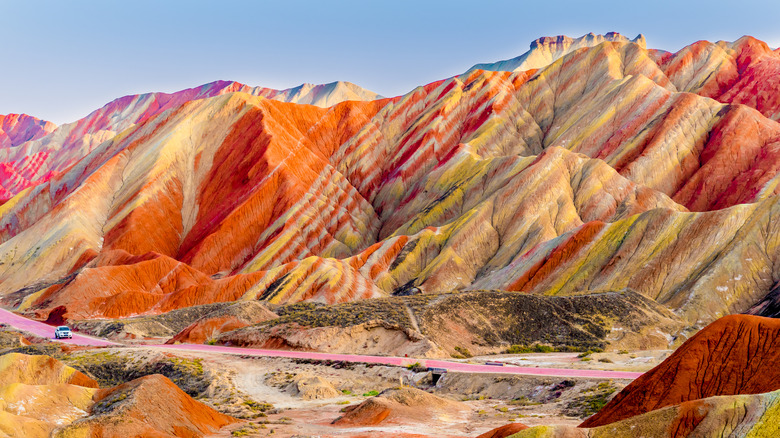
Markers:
{"x": 612, "y": 167}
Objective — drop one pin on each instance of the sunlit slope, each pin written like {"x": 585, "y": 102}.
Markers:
{"x": 32, "y": 151}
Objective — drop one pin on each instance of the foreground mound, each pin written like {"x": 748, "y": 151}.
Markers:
{"x": 148, "y": 406}
{"x": 504, "y": 431}
{"x": 41, "y": 397}
{"x": 734, "y": 416}
{"x": 402, "y": 405}
{"x": 39, "y": 370}
{"x": 736, "y": 354}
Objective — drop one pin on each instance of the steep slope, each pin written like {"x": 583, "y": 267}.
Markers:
{"x": 743, "y": 72}
{"x": 38, "y": 393}
{"x": 545, "y": 50}
{"x": 736, "y": 354}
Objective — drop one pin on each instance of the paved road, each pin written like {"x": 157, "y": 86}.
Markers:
{"x": 47, "y": 331}
{"x": 403, "y": 361}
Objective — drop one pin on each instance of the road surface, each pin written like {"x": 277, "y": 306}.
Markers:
{"x": 47, "y": 331}
{"x": 403, "y": 361}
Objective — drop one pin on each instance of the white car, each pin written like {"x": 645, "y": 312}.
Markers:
{"x": 62, "y": 332}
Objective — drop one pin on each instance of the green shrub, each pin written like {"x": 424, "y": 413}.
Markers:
{"x": 463, "y": 352}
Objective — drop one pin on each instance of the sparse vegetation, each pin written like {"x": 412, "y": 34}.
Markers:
{"x": 462, "y": 353}
{"x": 372, "y": 393}
{"x": 417, "y": 368}
{"x": 592, "y": 400}
{"x": 536, "y": 348}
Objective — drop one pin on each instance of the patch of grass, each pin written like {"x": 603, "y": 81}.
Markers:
{"x": 258, "y": 408}
{"x": 605, "y": 360}
{"x": 462, "y": 352}
{"x": 536, "y": 348}
{"x": 623, "y": 352}
{"x": 372, "y": 393}
{"x": 592, "y": 400}
{"x": 523, "y": 401}
{"x": 417, "y": 368}
{"x": 246, "y": 430}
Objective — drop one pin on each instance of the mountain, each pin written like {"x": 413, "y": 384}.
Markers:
{"x": 611, "y": 168}
{"x": 545, "y": 50}
{"x": 16, "y": 129}
{"x": 39, "y": 154}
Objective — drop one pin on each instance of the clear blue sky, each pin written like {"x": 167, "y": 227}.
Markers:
{"x": 62, "y": 59}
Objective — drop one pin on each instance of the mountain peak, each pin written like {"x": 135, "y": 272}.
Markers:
{"x": 545, "y": 50}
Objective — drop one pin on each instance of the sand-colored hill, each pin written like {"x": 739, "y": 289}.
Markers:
{"x": 41, "y": 397}
{"x": 401, "y": 405}
{"x": 148, "y": 406}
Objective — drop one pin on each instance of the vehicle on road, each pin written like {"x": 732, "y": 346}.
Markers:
{"x": 63, "y": 332}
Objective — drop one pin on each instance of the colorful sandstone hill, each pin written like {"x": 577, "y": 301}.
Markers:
{"x": 612, "y": 167}
{"x": 721, "y": 382}
{"x": 42, "y": 397}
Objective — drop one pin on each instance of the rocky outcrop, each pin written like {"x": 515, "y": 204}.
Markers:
{"x": 310, "y": 387}
{"x": 545, "y": 50}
